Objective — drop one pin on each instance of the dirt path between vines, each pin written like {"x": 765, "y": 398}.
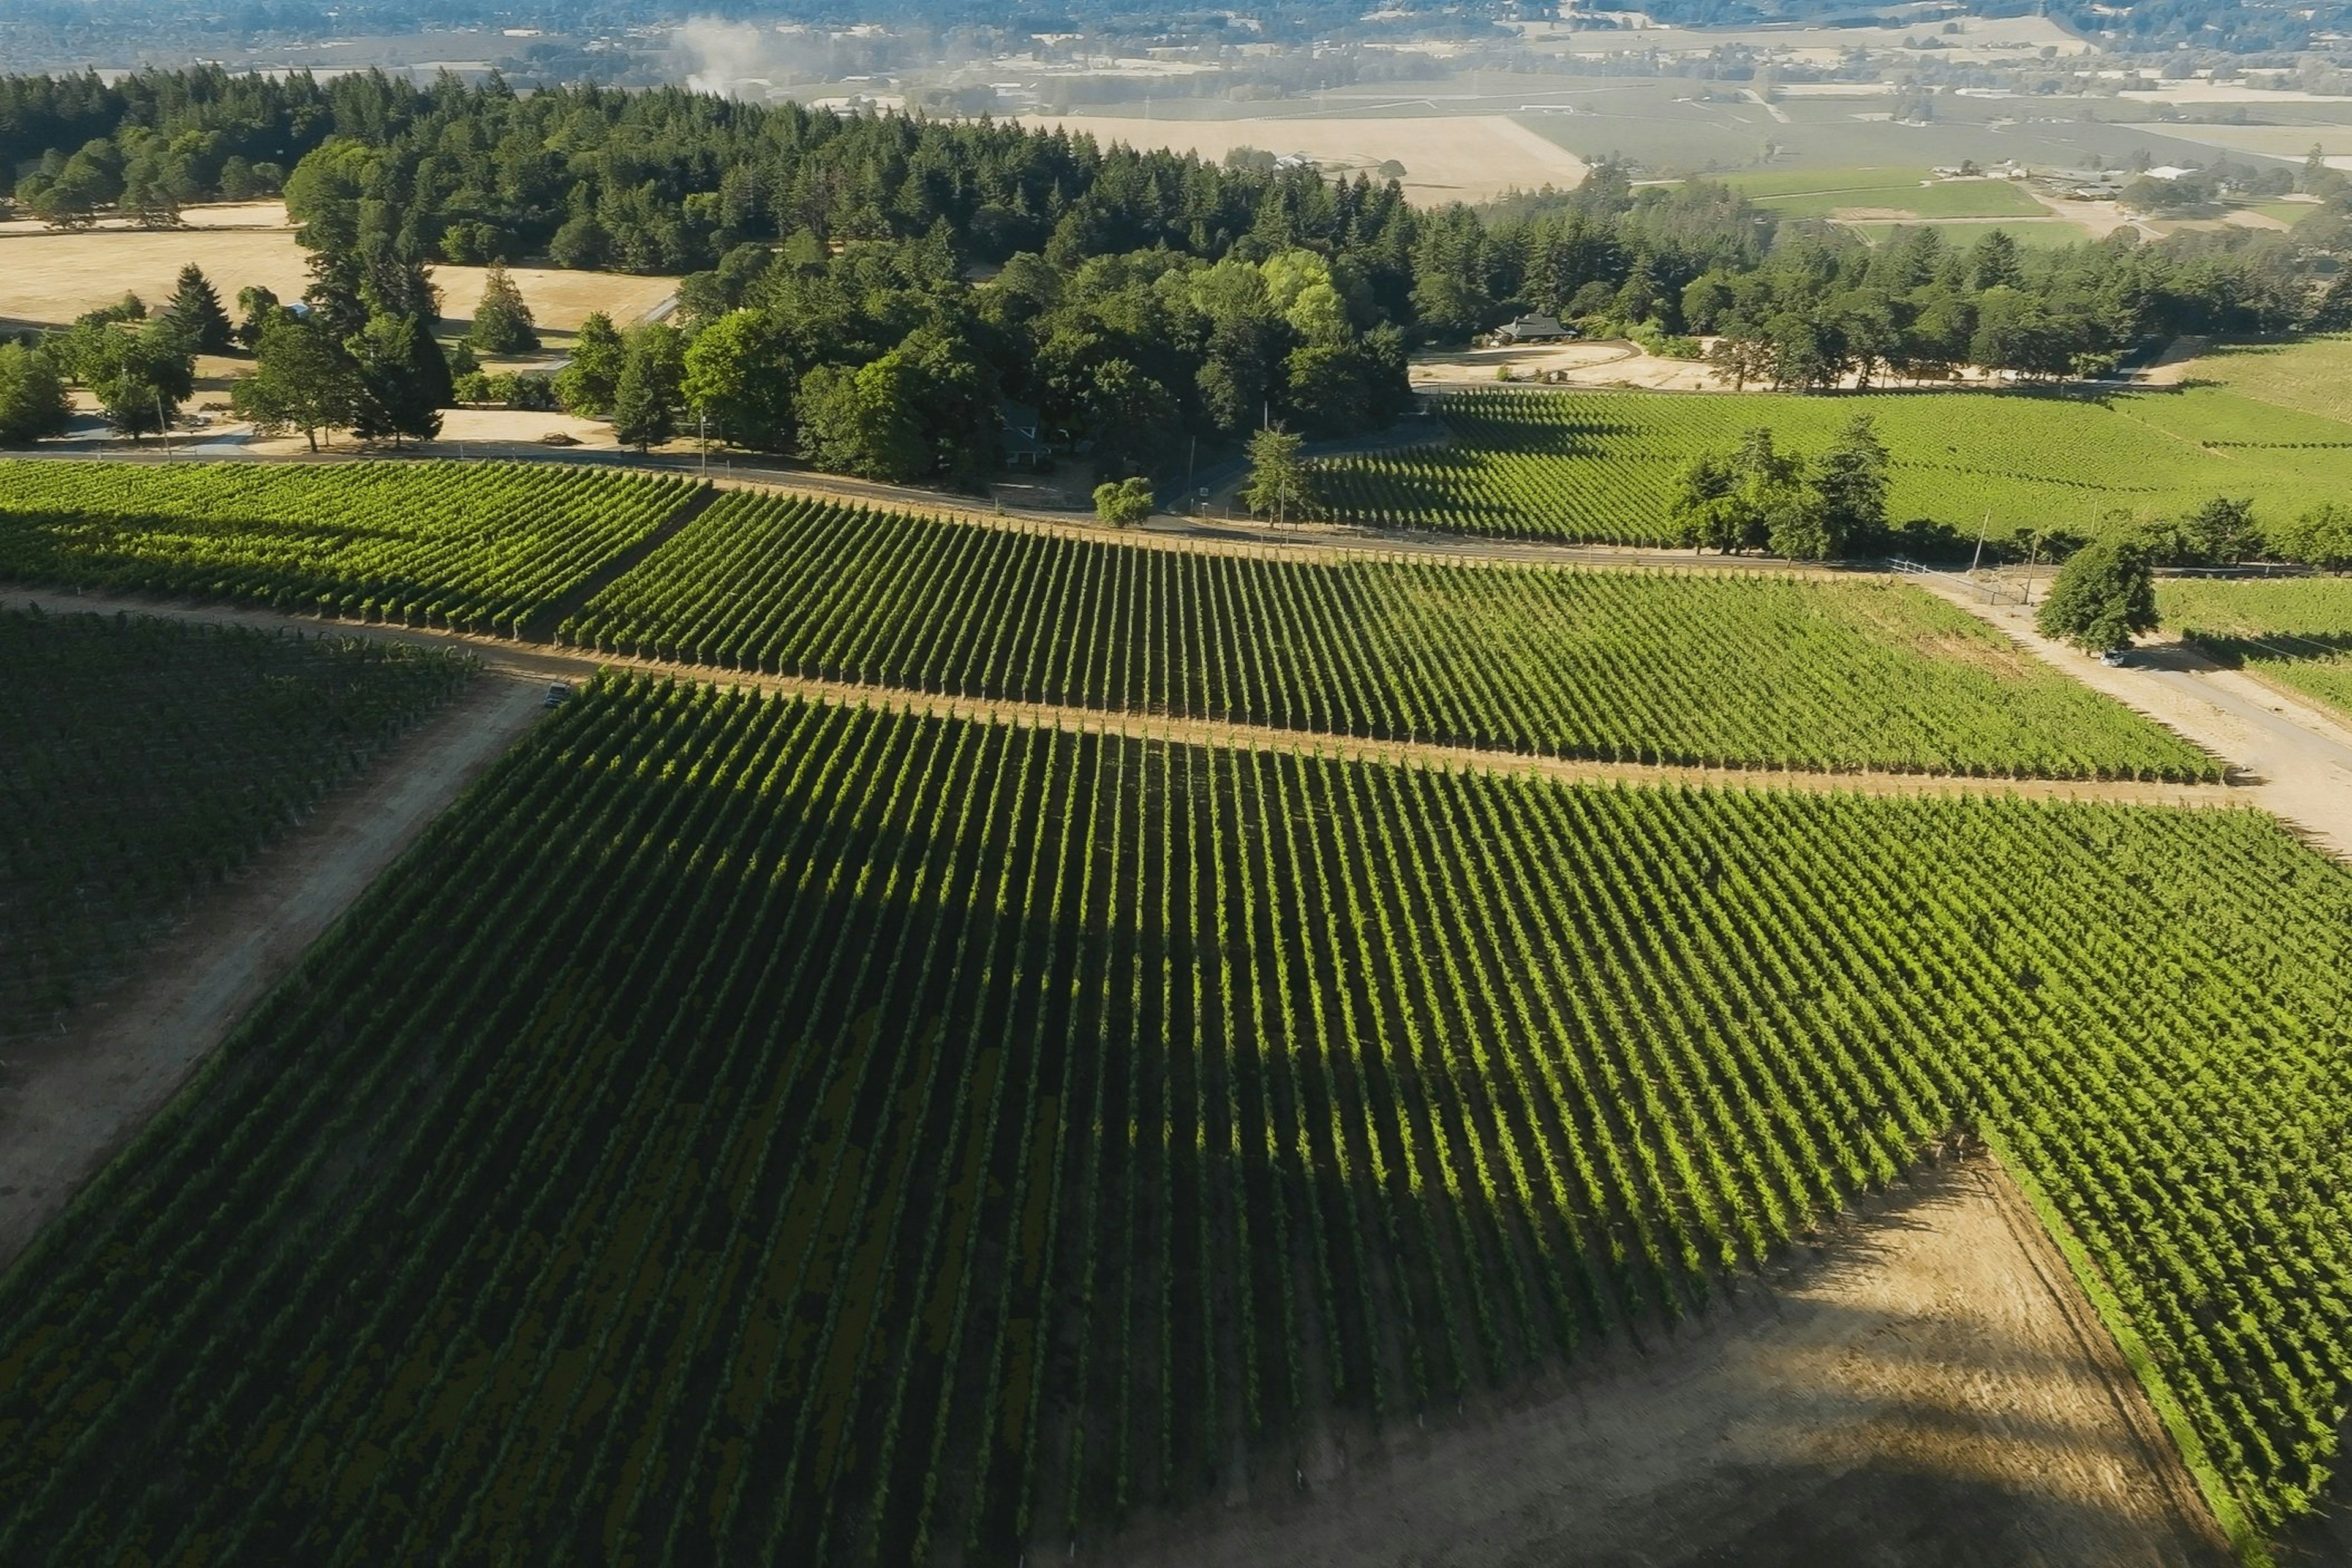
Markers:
{"x": 2294, "y": 757}
{"x": 1929, "y": 1388}
{"x": 68, "y": 1103}
{"x": 548, "y": 662}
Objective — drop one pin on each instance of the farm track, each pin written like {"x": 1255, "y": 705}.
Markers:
{"x": 1924, "y": 1384}
{"x": 2296, "y": 761}
{"x": 548, "y": 662}
{"x": 69, "y": 1102}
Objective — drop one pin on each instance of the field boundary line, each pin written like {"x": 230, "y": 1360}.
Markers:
{"x": 550, "y": 661}
{"x": 2227, "y": 1513}
{"x": 79, "y": 1099}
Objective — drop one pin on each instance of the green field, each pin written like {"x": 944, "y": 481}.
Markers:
{"x": 832, "y": 1133}
{"x": 1961, "y": 235}
{"x": 144, "y": 760}
{"x": 478, "y": 546}
{"x": 1621, "y": 666}
{"x": 2313, "y": 374}
{"x": 1821, "y": 193}
{"x": 1601, "y": 467}
{"x": 2298, "y": 632}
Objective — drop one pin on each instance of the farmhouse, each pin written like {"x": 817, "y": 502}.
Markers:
{"x": 1534, "y": 330}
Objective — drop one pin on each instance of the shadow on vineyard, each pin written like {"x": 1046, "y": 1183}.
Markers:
{"x": 748, "y": 1129}
{"x": 2274, "y": 649}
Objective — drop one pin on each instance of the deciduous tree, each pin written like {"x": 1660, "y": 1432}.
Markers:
{"x": 2103, "y": 595}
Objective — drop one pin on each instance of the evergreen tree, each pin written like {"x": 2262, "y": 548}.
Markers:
{"x": 195, "y": 311}
{"x": 646, "y": 397}
{"x": 402, "y": 383}
{"x": 1851, "y": 480}
{"x": 502, "y": 323}
{"x": 1279, "y": 485}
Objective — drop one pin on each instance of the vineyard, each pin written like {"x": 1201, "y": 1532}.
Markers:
{"x": 1616, "y": 665}
{"x": 754, "y": 1130}
{"x": 2298, "y": 632}
{"x": 144, "y": 760}
{"x": 1599, "y": 467}
{"x": 475, "y": 546}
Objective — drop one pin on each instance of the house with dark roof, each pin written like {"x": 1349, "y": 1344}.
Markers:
{"x": 1534, "y": 330}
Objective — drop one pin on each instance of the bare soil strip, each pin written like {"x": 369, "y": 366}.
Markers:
{"x": 68, "y": 1103}
{"x": 547, "y": 662}
{"x": 1926, "y": 1387}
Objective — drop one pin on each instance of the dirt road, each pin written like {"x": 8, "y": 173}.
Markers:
{"x": 69, "y": 1102}
{"x": 1928, "y": 1388}
{"x": 2297, "y": 757}
{"x": 538, "y": 661}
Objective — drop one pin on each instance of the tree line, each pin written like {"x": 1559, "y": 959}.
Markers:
{"x": 873, "y": 292}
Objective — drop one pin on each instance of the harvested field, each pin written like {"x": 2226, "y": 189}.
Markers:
{"x": 1446, "y": 158}
{"x": 48, "y": 278}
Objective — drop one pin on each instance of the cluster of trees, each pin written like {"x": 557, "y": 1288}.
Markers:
{"x": 2224, "y": 532}
{"x": 1759, "y": 497}
{"x": 870, "y": 291}
{"x": 1798, "y": 305}
{"x": 332, "y": 362}
{"x": 141, "y": 367}
{"x": 151, "y": 142}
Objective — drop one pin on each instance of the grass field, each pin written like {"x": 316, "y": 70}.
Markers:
{"x": 834, "y": 1134}
{"x": 1883, "y": 193}
{"x": 1601, "y": 467}
{"x": 1619, "y": 666}
{"x": 2298, "y": 632}
{"x": 480, "y": 546}
{"x": 145, "y": 760}
{"x": 2313, "y": 375}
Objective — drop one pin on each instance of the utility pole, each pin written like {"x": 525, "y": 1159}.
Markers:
{"x": 162, "y": 428}
{"x": 1978, "y": 556}
{"x": 702, "y": 421}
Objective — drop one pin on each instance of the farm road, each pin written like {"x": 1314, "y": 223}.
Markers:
{"x": 2297, "y": 757}
{"x": 71, "y": 1101}
{"x": 544, "y": 661}
{"x": 1924, "y": 1388}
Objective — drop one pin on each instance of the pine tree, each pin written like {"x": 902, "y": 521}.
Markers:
{"x": 646, "y": 398}
{"x": 502, "y": 321}
{"x": 399, "y": 393}
{"x": 1278, "y": 485}
{"x": 196, "y": 315}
